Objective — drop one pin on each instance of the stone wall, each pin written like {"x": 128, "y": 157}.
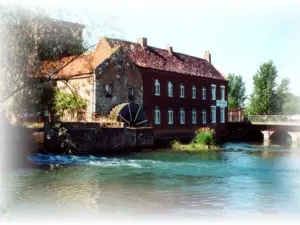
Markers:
{"x": 120, "y": 84}
{"x": 89, "y": 138}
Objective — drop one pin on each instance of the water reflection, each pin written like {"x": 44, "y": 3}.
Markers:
{"x": 243, "y": 179}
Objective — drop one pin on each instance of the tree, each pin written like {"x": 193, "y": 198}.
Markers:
{"x": 30, "y": 37}
{"x": 292, "y": 105}
{"x": 281, "y": 96}
{"x": 236, "y": 91}
{"x": 268, "y": 98}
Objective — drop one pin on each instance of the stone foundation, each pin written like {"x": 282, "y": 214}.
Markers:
{"x": 90, "y": 138}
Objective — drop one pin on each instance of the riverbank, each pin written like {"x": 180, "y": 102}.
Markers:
{"x": 178, "y": 146}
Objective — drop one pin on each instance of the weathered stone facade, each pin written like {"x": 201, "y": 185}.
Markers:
{"x": 88, "y": 138}
{"x": 120, "y": 83}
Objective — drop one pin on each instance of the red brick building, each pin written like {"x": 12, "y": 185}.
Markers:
{"x": 178, "y": 93}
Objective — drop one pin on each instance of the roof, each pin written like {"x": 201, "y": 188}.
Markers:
{"x": 150, "y": 57}
{"x": 68, "y": 66}
{"x": 80, "y": 65}
{"x": 160, "y": 59}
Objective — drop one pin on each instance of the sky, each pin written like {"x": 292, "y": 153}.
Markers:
{"x": 241, "y": 35}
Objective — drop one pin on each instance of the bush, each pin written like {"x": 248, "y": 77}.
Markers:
{"x": 176, "y": 145}
{"x": 204, "y": 136}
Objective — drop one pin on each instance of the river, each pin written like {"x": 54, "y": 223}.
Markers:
{"x": 242, "y": 180}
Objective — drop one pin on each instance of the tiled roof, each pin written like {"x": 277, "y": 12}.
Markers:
{"x": 81, "y": 65}
{"x": 150, "y": 57}
{"x": 160, "y": 59}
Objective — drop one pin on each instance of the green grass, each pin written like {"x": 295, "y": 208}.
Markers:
{"x": 203, "y": 141}
{"x": 177, "y": 146}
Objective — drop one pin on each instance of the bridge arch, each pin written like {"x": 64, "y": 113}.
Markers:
{"x": 281, "y": 137}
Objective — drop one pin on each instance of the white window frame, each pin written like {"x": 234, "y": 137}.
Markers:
{"x": 204, "y": 116}
{"x": 204, "y": 93}
{"x": 222, "y": 114}
{"x": 194, "y": 91}
{"x": 170, "y": 116}
{"x": 182, "y": 116}
{"x": 213, "y": 114}
{"x": 194, "y": 116}
{"x": 181, "y": 91}
{"x": 157, "y": 115}
{"x": 222, "y": 88}
{"x": 170, "y": 89}
{"x": 213, "y": 92}
{"x": 157, "y": 87}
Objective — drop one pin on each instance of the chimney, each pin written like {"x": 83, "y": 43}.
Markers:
{"x": 207, "y": 56}
{"x": 170, "y": 49}
{"x": 142, "y": 42}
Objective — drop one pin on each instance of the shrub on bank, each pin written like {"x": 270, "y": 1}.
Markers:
{"x": 204, "y": 140}
{"x": 204, "y": 136}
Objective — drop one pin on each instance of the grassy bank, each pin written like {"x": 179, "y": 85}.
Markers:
{"x": 177, "y": 146}
{"x": 203, "y": 141}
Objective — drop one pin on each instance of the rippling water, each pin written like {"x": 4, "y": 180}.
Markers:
{"x": 241, "y": 180}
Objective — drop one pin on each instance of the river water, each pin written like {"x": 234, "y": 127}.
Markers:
{"x": 241, "y": 180}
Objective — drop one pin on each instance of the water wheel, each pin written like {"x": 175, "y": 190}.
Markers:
{"x": 131, "y": 114}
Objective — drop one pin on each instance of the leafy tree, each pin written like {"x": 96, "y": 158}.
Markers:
{"x": 31, "y": 36}
{"x": 236, "y": 91}
{"x": 268, "y": 98}
{"x": 281, "y": 96}
{"x": 70, "y": 103}
{"x": 292, "y": 105}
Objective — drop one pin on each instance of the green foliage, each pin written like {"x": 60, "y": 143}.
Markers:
{"x": 268, "y": 98}
{"x": 177, "y": 146}
{"x": 292, "y": 105}
{"x": 281, "y": 96}
{"x": 70, "y": 103}
{"x": 30, "y": 36}
{"x": 204, "y": 136}
{"x": 236, "y": 91}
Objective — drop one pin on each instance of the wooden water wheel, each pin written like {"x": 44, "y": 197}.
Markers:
{"x": 131, "y": 114}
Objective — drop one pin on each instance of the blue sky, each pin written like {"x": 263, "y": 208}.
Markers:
{"x": 240, "y": 36}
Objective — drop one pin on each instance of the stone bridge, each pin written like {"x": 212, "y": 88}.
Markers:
{"x": 275, "y": 128}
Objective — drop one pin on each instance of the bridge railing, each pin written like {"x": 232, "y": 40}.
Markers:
{"x": 273, "y": 118}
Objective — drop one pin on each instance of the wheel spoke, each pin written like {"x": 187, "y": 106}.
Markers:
{"x": 124, "y": 119}
{"x": 130, "y": 112}
{"x": 136, "y": 116}
{"x": 144, "y": 121}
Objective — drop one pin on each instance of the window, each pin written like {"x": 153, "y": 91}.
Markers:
{"x": 170, "y": 116}
{"x": 120, "y": 63}
{"x": 203, "y": 116}
{"x": 108, "y": 88}
{"x": 194, "y": 116}
{"x": 222, "y": 109}
{"x": 213, "y": 114}
{"x": 203, "y": 93}
{"x": 213, "y": 92}
{"x": 157, "y": 115}
{"x": 182, "y": 116}
{"x": 181, "y": 91}
{"x": 130, "y": 91}
{"x": 120, "y": 66}
{"x": 194, "y": 91}
{"x": 170, "y": 89}
{"x": 222, "y": 92}
{"x": 157, "y": 87}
